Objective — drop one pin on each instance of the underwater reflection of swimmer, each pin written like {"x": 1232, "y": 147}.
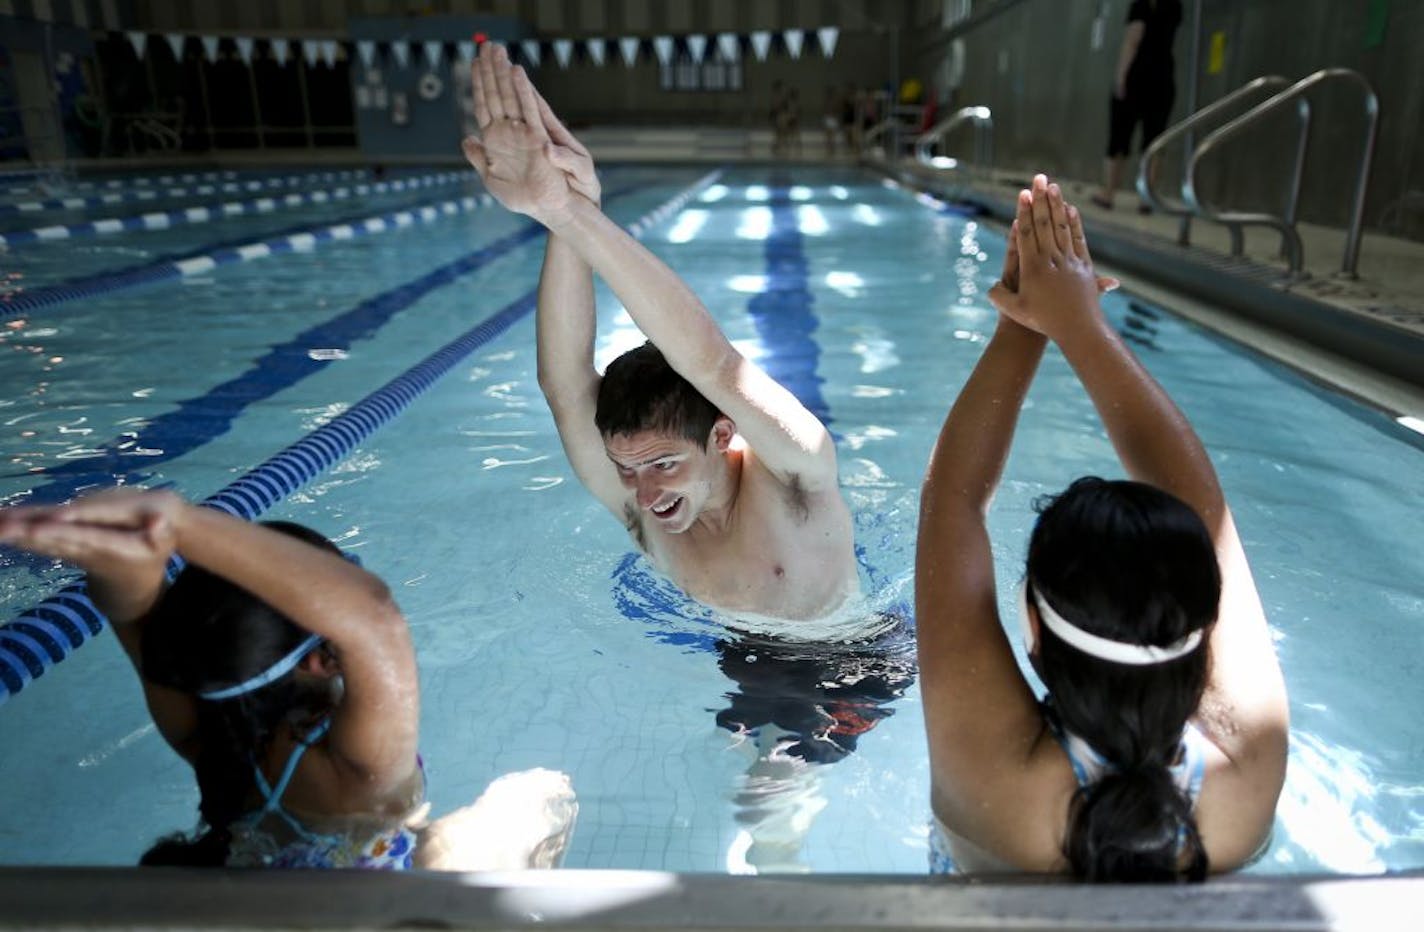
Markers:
{"x": 798, "y": 706}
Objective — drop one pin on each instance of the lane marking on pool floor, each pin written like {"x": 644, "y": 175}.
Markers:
{"x": 296, "y": 239}
{"x": 36, "y": 640}
{"x": 145, "y": 193}
{"x": 206, "y": 213}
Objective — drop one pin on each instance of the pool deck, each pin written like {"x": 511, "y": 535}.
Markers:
{"x": 81, "y": 898}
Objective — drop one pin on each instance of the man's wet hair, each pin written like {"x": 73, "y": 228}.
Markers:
{"x": 641, "y": 392}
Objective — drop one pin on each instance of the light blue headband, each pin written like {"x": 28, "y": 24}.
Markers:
{"x": 278, "y": 670}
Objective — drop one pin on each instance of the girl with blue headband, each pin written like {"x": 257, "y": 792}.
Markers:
{"x": 285, "y": 675}
{"x": 1160, "y": 750}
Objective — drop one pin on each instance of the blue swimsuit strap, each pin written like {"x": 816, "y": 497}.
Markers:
{"x": 1193, "y": 754}
{"x": 273, "y": 794}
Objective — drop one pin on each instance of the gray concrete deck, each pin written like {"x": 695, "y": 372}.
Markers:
{"x": 643, "y": 900}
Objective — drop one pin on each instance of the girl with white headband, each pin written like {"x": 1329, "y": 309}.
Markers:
{"x": 1160, "y": 750}
{"x": 285, "y": 675}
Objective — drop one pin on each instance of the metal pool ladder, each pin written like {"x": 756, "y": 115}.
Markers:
{"x": 1286, "y": 223}
{"x": 981, "y": 118}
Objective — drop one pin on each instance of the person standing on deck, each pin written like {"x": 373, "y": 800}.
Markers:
{"x": 722, "y": 477}
{"x": 1144, "y": 87}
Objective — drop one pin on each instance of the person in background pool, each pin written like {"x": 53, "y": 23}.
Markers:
{"x": 720, "y": 474}
{"x": 285, "y": 675}
{"x": 1160, "y": 751}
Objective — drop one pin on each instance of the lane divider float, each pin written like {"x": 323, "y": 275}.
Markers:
{"x": 153, "y": 194}
{"x": 205, "y": 213}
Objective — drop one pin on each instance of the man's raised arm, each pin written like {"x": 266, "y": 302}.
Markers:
{"x": 515, "y": 158}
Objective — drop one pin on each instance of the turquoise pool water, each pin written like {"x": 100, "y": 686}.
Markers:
{"x": 542, "y": 642}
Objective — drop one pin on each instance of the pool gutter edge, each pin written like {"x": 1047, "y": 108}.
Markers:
{"x": 1340, "y": 340}
{"x": 582, "y": 899}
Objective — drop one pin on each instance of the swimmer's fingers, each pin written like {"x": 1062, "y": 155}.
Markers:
{"x": 1107, "y": 283}
{"x": 1077, "y": 237}
{"x": 1058, "y": 217}
{"x": 504, "y": 82}
{"x": 91, "y": 546}
{"x": 486, "y": 90}
{"x": 1043, "y": 218}
{"x": 558, "y": 132}
{"x": 529, "y": 104}
{"x": 477, "y": 88}
{"x": 1027, "y": 242}
{"x": 1009, "y": 277}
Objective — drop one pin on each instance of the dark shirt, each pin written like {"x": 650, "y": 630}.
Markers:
{"x": 1153, "y": 66}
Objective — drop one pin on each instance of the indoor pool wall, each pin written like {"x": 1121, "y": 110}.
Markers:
{"x": 506, "y": 569}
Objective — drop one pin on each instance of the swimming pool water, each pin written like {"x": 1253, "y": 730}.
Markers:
{"x": 543, "y": 642}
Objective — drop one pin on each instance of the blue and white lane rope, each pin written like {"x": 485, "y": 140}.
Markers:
{"x": 19, "y": 303}
{"x": 205, "y": 213}
{"x": 38, "y": 639}
{"x": 154, "y": 194}
{"x": 145, "y": 180}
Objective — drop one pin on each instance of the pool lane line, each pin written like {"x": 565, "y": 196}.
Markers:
{"x": 186, "y": 177}
{"x": 36, "y": 640}
{"x": 783, "y": 311}
{"x": 154, "y": 194}
{"x": 206, "y": 213}
{"x": 294, "y": 239}
{"x": 196, "y": 421}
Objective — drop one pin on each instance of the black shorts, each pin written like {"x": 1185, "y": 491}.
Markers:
{"x": 1151, "y": 109}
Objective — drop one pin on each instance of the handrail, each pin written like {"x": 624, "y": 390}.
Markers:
{"x": 983, "y": 121}
{"x": 892, "y": 123}
{"x": 1177, "y": 130}
{"x": 1287, "y": 225}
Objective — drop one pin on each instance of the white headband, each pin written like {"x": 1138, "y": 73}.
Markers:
{"x": 1139, "y": 655}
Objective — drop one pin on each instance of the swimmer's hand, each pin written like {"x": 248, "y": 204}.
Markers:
{"x": 1047, "y": 261}
{"x": 569, "y": 154}
{"x": 121, "y": 537}
{"x": 512, "y": 152}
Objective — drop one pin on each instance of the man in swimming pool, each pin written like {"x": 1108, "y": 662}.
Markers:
{"x": 723, "y": 478}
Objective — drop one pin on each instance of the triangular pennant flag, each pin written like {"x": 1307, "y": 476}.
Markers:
{"x": 761, "y": 44}
{"x": 828, "y": 36}
{"x": 794, "y": 39}
{"x": 467, "y": 51}
{"x": 244, "y": 49}
{"x": 530, "y": 48}
{"x": 139, "y": 41}
{"x": 628, "y": 48}
{"x": 210, "y": 47}
{"x": 329, "y": 48}
{"x": 401, "y": 50}
{"x": 434, "y": 51}
{"x": 697, "y": 45}
{"x": 662, "y": 45}
{"x": 729, "y": 45}
{"x": 311, "y": 50}
{"x": 563, "y": 51}
{"x": 366, "y": 48}
{"x": 596, "y": 50}
{"x": 281, "y": 48}
{"x": 175, "y": 42}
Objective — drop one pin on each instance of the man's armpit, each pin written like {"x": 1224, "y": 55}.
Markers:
{"x": 797, "y": 499}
